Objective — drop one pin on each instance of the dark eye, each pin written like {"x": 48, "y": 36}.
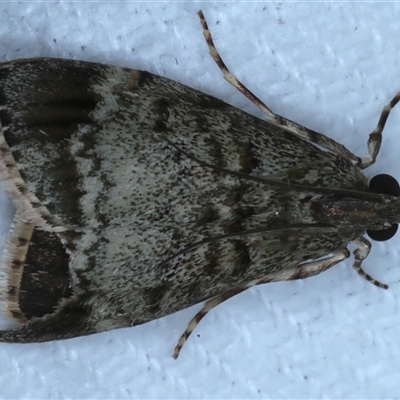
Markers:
{"x": 383, "y": 234}
{"x": 384, "y": 184}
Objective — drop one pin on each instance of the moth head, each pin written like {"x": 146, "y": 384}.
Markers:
{"x": 384, "y": 184}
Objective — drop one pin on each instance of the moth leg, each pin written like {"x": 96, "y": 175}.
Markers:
{"x": 311, "y": 268}
{"x": 375, "y": 137}
{"x": 272, "y": 118}
{"x": 208, "y": 306}
{"x": 360, "y": 254}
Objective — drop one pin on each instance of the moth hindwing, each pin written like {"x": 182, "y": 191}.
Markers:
{"x": 137, "y": 196}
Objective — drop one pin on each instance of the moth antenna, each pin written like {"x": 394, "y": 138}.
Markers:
{"x": 301, "y": 271}
{"x": 227, "y": 74}
{"x": 208, "y": 306}
{"x": 275, "y": 119}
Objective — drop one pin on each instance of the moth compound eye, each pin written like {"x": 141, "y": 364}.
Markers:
{"x": 383, "y": 234}
{"x": 384, "y": 184}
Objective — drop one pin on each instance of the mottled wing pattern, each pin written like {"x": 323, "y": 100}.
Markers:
{"x": 137, "y": 196}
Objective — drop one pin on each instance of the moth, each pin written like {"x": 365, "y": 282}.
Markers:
{"x": 137, "y": 196}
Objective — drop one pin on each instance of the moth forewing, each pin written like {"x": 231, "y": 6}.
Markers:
{"x": 137, "y": 196}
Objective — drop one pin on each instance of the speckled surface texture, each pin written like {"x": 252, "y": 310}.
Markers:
{"x": 328, "y": 66}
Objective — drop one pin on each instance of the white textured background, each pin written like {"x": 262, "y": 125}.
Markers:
{"x": 329, "y": 66}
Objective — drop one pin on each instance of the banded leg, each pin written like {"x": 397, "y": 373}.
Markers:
{"x": 360, "y": 254}
{"x": 311, "y": 268}
{"x": 375, "y": 137}
{"x": 272, "y": 118}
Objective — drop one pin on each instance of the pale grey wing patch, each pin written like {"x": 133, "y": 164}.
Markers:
{"x": 244, "y": 256}
{"x": 212, "y": 268}
{"x": 242, "y": 143}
